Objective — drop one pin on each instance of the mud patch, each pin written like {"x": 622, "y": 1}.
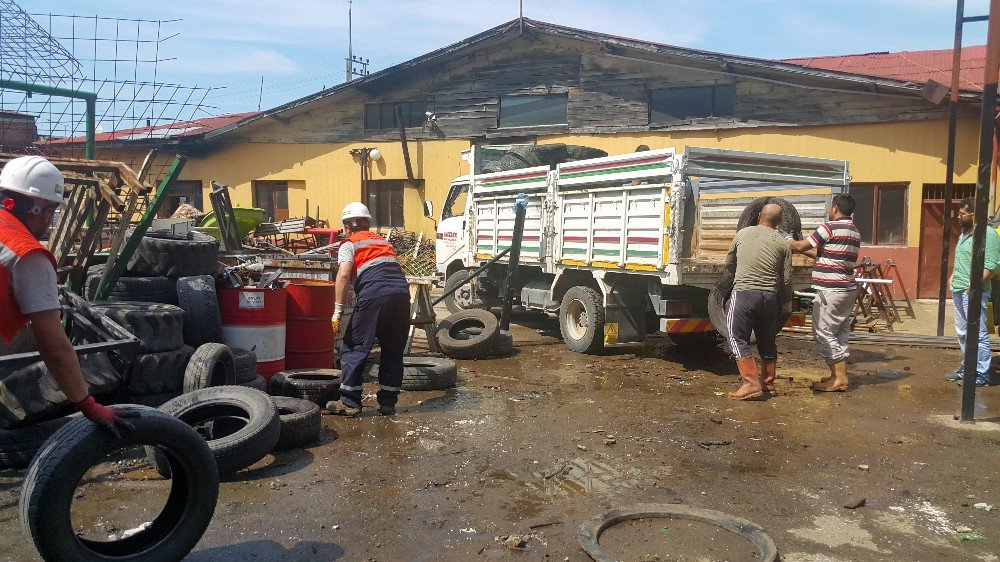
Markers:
{"x": 834, "y": 532}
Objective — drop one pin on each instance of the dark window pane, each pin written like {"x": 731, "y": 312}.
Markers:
{"x": 679, "y": 104}
{"x": 725, "y": 98}
{"x": 371, "y": 115}
{"x": 281, "y": 196}
{"x": 388, "y": 119}
{"x": 417, "y": 117}
{"x": 864, "y": 208}
{"x": 891, "y": 216}
{"x": 525, "y": 111}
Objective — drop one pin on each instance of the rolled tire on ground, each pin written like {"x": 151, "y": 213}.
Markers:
{"x": 718, "y": 301}
{"x": 159, "y": 373}
{"x": 300, "y": 422}
{"x": 172, "y": 256}
{"x": 790, "y": 220}
{"x": 258, "y": 383}
{"x": 581, "y": 320}
{"x": 243, "y": 447}
{"x": 138, "y": 289}
{"x": 30, "y": 394}
{"x": 425, "y": 373}
{"x": 202, "y": 320}
{"x": 210, "y": 365}
{"x": 469, "y": 334}
{"x": 316, "y": 385}
{"x": 51, "y": 481}
{"x": 245, "y": 361}
{"x": 18, "y": 446}
{"x": 466, "y": 297}
{"x": 159, "y": 327}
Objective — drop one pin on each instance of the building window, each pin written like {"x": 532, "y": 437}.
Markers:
{"x": 186, "y": 191}
{"x": 385, "y": 200}
{"x": 681, "y": 104}
{"x": 528, "y": 111}
{"x": 383, "y": 115}
{"x": 880, "y": 213}
{"x": 272, "y": 196}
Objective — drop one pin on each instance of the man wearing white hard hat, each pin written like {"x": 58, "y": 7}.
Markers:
{"x": 382, "y": 311}
{"x": 31, "y": 189}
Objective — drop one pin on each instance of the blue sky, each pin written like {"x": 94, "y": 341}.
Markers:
{"x": 298, "y": 46}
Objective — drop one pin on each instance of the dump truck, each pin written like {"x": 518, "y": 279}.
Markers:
{"x": 628, "y": 245}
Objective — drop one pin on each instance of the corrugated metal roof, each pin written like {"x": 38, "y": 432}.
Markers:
{"x": 910, "y": 66}
{"x": 168, "y": 131}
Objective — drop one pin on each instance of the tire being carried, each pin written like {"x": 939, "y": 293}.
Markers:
{"x": 252, "y": 442}
{"x": 425, "y": 373}
{"x": 581, "y": 320}
{"x": 50, "y": 485}
{"x": 790, "y": 220}
{"x": 469, "y": 334}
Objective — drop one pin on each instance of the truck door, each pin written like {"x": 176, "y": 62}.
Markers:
{"x": 450, "y": 244}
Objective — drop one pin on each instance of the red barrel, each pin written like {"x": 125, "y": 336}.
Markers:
{"x": 254, "y": 318}
{"x": 309, "y": 342}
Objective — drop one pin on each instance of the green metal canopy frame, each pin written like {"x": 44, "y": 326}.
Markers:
{"x": 89, "y": 97}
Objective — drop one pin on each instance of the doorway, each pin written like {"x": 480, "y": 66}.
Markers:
{"x": 931, "y": 225}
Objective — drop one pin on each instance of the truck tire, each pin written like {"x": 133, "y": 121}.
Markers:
{"x": 18, "y": 446}
{"x": 210, "y": 365}
{"x": 468, "y": 297}
{"x": 252, "y": 442}
{"x": 425, "y": 373}
{"x": 718, "y": 300}
{"x": 790, "y": 220}
{"x": 140, "y": 289}
{"x": 30, "y": 394}
{"x": 469, "y": 334}
{"x": 159, "y": 373}
{"x": 161, "y": 254}
{"x": 50, "y": 485}
{"x": 202, "y": 320}
{"x": 581, "y": 320}
{"x": 316, "y": 385}
{"x": 301, "y": 422}
{"x": 159, "y": 327}
{"x": 245, "y": 362}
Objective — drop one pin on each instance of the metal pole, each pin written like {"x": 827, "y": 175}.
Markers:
{"x": 949, "y": 180}
{"x": 986, "y": 127}
{"x": 90, "y": 97}
{"x": 507, "y": 289}
{"x": 471, "y": 276}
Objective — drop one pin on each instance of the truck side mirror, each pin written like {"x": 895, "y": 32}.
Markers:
{"x": 428, "y": 209}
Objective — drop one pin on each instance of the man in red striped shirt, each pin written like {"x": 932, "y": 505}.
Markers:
{"x": 836, "y": 244}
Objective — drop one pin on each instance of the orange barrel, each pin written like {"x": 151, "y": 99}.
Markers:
{"x": 254, "y": 318}
{"x": 309, "y": 344}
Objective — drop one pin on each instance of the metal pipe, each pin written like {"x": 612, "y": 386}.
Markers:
{"x": 471, "y": 276}
{"x": 90, "y": 97}
{"x": 507, "y": 289}
{"x": 986, "y": 127}
{"x": 949, "y": 180}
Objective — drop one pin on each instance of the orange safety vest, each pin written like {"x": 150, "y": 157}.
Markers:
{"x": 370, "y": 249}
{"x": 15, "y": 243}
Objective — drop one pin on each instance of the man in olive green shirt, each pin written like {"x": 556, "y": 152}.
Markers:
{"x": 959, "y": 282}
{"x": 763, "y": 262}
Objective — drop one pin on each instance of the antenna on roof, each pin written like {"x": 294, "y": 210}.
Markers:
{"x": 350, "y": 71}
{"x": 520, "y": 17}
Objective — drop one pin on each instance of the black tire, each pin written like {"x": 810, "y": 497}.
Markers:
{"x": 301, "y": 422}
{"x": 210, "y": 365}
{"x": 159, "y": 373}
{"x": 151, "y": 400}
{"x": 159, "y": 327}
{"x": 581, "y": 320}
{"x": 18, "y": 446}
{"x": 718, "y": 303}
{"x": 31, "y": 395}
{"x": 51, "y": 481}
{"x": 202, "y": 320}
{"x": 258, "y": 383}
{"x": 578, "y": 152}
{"x": 245, "y": 361}
{"x": 469, "y": 334}
{"x": 468, "y": 297}
{"x": 164, "y": 255}
{"x": 315, "y": 385}
{"x": 790, "y": 220}
{"x": 425, "y": 373}
{"x": 242, "y": 448}
{"x": 138, "y": 289}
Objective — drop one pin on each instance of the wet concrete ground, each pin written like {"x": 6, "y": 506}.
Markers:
{"x": 538, "y": 443}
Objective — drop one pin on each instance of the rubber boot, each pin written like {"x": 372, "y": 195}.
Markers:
{"x": 751, "y": 389}
{"x": 767, "y": 372}
{"x": 836, "y": 382}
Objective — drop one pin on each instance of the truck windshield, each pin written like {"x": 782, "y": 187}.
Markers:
{"x": 454, "y": 204}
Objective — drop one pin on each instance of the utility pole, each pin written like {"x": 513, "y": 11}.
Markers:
{"x": 349, "y": 61}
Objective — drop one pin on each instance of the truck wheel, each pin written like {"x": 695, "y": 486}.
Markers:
{"x": 581, "y": 320}
{"x": 467, "y": 297}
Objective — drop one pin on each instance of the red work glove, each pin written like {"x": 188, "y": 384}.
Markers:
{"x": 103, "y": 416}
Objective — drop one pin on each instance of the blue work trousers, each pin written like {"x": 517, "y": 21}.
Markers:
{"x": 961, "y": 301}
{"x": 388, "y": 319}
